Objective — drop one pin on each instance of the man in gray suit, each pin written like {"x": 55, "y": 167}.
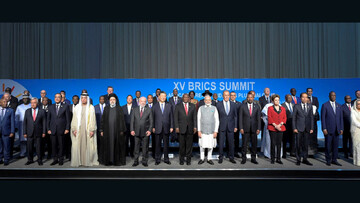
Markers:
{"x": 140, "y": 126}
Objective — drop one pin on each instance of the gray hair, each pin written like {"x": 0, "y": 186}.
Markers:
{"x": 34, "y": 98}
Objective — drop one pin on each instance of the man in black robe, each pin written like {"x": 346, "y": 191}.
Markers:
{"x": 113, "y": 137}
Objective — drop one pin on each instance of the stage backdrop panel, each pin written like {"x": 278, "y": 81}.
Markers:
{"x": 124, "y": 87}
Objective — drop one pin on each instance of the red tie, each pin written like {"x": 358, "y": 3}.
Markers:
{"x": 295, "y": 100}
{"x": 186, "y": 109}
{"x": 250, "y": 110}
{"x": 34, "y": 116}
{"x": 141, "y": 112}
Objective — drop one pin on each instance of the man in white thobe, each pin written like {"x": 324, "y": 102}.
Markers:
{"x": 208, "y": 125}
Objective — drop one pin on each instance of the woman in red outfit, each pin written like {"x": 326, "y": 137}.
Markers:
{"x": 276, "y": 127}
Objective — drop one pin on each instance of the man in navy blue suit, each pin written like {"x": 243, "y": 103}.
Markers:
{"x": 127, "y": 109}
{"x": 7, "y": 130}
{"x": 295, "y": 99}
{"x": 332, "y": 126}
{"x": 34, "y": 130}
{"x": 346, "y": 108}
{"x": 163, "y": 126}
{"x": 137, "y": 98}
{"x": 228, "y": 125}
{"x": 99, "y": 110}
{"x": 357, "y": 96}
{"x": 313, "y": 141}
{"x": 58, "y": 125}
{"x": 174, "y": 100}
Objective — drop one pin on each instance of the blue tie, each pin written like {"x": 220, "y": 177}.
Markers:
{"x": 102, "y": 109}
{"x": 227, "y": 108}
{"x": 162, "y": 108}
{"x": 290, "y": 108}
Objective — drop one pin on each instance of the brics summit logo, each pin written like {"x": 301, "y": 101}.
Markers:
{"x": 17, "y": 89}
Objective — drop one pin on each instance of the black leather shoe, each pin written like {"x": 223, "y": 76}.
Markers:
{"x": 61, "y": 163}
{"x": 307, "y": 162}
{"x": 40, "y": 163}
{"x": 167, "y": 162}
{"x": 145, "y": 164}
{"x": 346, "y": 156}
{"x": 135, "y": 164}
{"x": 279, "y": 162}
{"x": 237, "y": 155}
{"x": 243, "y": 161}
{"x": 336, "y": 163}
{"x": 54, "y": 163}
{"x": 1, "y": 161}
{"x": 201, "y": 162}
{"x": 328, "y": 163}
{"x": 188, "y": 163}
{"x": 272, "y": 162}
{"x": 157, "y": 162}
{"x": 351, "y": 156}
{"x": 210, "y": 162}
{"x": 233, "y": 161}
{"x": 298, "y": 163}
{"x": 29, "y": 162}
{"x": 284, "y": 156}
{"x": 6, "y": 163}
{"x": 181, "y": 162}
{"x": 254, "y": 161}
{"x": 220, "y": 161}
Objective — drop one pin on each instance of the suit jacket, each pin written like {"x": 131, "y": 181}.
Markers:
{"x": 315, "y": 102}
{"x": 13, "y": 103}
{"x": 7, "y": 125}
{"x": 183, "y": 121}
{"x": 172, "y": 101}
{"x": 255, "y": 102}
{"x": 143, "y": 124}
{"x": 61, "y": 122}
{"x": 127, "y": 116}
{"x": 303, "y": 121}
{"x": 34, "y": 128}
{"x": 135, "y": 102}
{"x": 346, "y": 117}
{"x": 277, "y": 118}
{"x": 250, "y": 124}
{"x": 163, "y": 121}
{"x": 49, "y": 101}
{"x": 263, "y": 102}
{"x": 227, "y": 122}
{"x": 329, "y": 121}
{"x": 98, "y": 115}
{"x": 288, "y": 116}
{"x": 297, "y": 99}
{"x": 202, "y": 103}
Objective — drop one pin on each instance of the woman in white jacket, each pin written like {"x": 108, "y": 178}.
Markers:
{"x": 355, "y": 131}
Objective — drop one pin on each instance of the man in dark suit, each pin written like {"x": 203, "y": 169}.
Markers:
{"x": 237, "y": 133}
{"x": 163, "y": 126}
{"x": 75, "y": 100}
{"x": 110, "y": 90}
{"x": 156, "y": 97}
{"x": 99, "y": 110}
{"x": 249, "y": 125}
{"x": 141, "y": 124}
{"x": 357, "y": 96}
{"x": 265, "y": 99}
{"x": 228, "y": 125}
{"x": 174, "y": 100}
{"x": 42, "y": 96}
{"x": 12, "y": 101}
{"x": 202, "y": 103}
{"x": 58, "y": 125}
{"x": 34, "y": 130}
{"x": 346, "y": 109}
{"x": 150, "y": 104}
{"x": 63, "y": 98}
{"x": 215, "y": 98}
{"x": 137, "y": 98}
{"x": 130, "y": 140}
{"x": 7, "y": 130}
{"x": 295, "y": 99}
{"x": 47, "y": 140}
{"x": 332, "y": 124}
{"x": 313, "y": 141}
{"x": 303, "y": 126}
{"x": 185, "y": 125}
{"x": 288, "y": 134}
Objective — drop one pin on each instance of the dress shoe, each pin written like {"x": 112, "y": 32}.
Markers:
{"x": 336, "y": 163}
{"x": 40, "y": 163}
{"x": 54, "y": 163}
{"x": 210, "y": 162}
{"x": 272, "y": 162}
{"x": 243, "y": 161}
{"x": 6, "y": 163}
{"x": 29, "y": 162}
{"x": 350, "y": 155}
{"x": 135, "y": 164}
{"x": 254, "y": 161}
{"x": 279, "y": 161}
{"x": 157, "y": 162}
{"x": 307, "y": 162}
{"x": 293, "y": 155}
{"x": 346, "y": 156}
{"x": 233, "y": 161}
{"x": 201, "y": 162}
{"x": 220, "y": 161}
{"x": 188, "y": 163}
{"x": 284, "y": 156}
{"x": 167, "y": 162}
{"x": 145, "y": 164}
{"x": 181, "y": 162}
{"x": 61, "y": 163}
{"x": 237, "y": 155}
{"x": 1, "y": 161}
{"x": 328, "y": 163}
{"x": 298, "y": 163}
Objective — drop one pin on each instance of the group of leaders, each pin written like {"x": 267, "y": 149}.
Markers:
{"x": 106, "y": 133}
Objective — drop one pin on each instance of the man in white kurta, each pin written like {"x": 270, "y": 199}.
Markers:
{"x": 208, "y": 125}
{"x": 19, "y": 118}
{"x": 83, "y": 134}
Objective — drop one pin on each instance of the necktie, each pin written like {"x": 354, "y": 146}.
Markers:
{"x": 186, "y": 109}
{"x": 102, "y": 109}
{"x": 34, "y": 115}
{"x": 150, "y": 105}
{"x": 333, "y": 105}
{"x": 267, "y": 99}
{"x": 227, "y": 108}
{"x": 250, "y": 109}
{"x": 295, "y": 100}
{"x": 141, "y": 112}
{"x": 290, "y": 108}
{"x": 162, "y": 108}
{"x": 175, "y": 100}
{"x": 57, "y": 109}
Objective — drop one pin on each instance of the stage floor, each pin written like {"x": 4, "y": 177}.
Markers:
{"x": 226, "y": 170}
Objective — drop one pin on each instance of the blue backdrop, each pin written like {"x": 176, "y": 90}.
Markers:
{"x": 124, "y": 87}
